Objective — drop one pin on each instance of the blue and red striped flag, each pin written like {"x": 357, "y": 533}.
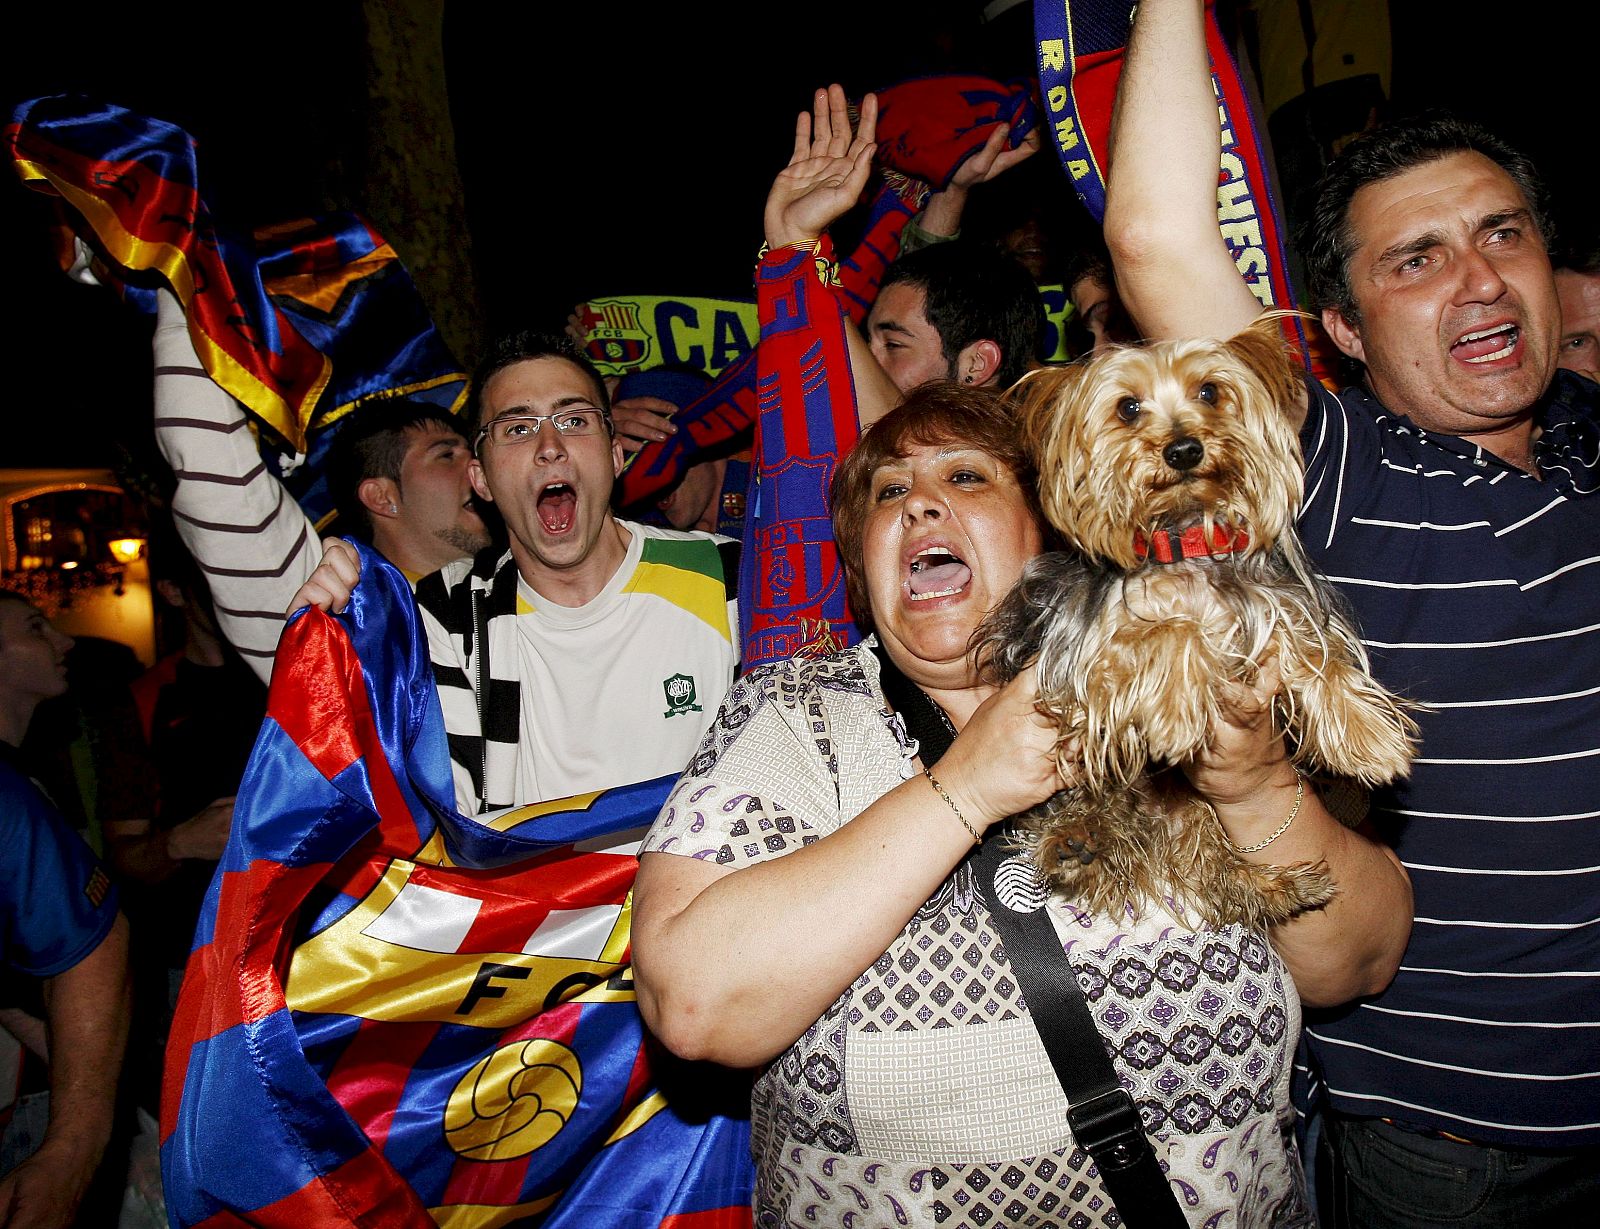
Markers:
{"x": 300, "y": 322}
{"x": 397, "y": 1016}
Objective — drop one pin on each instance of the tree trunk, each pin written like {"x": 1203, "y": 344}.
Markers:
{"x": 412, "y": 187}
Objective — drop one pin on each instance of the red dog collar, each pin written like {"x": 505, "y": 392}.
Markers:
{"x": 1171, "y": 546}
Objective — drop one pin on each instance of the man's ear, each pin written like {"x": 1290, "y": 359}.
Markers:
{"x": 618, "y": 459}
{"x": 1344, "y": 334}
{"x": 380, "y": 497}
{"x": 480, "y": 484}
{"x": 979, "y": 363}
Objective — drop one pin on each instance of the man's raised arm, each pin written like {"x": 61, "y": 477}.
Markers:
{"x": 826, "y": 173}
{"x": 246, "y": 532}
{"x": 1173, "y": 270}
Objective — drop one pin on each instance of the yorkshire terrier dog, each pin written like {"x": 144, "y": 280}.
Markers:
{"x": 1173, "y": 473}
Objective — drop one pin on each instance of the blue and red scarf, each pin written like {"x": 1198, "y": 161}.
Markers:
{"x": 1080, "y": 46}
{"x": 926, "y": 129}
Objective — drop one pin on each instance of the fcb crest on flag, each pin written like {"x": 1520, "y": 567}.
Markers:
{"x": 394, "y": 1015}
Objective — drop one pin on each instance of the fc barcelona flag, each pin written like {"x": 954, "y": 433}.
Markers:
{"x": 397, "y": 1016}
{"x": 300, "y": 322}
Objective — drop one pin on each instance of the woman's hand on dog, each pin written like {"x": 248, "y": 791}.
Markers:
{"x": 1005, "y": 758}
{"x": 1246, "y": 753}
{"x": 1245, "y": 772}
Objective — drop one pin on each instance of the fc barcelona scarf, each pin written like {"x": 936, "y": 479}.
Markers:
{"x": 397, "y": 1016}
{"x": 926, "y": 129}
{"x": 637, "y": 332}
{"x": 791, "y": 580}
{"x": 720, "y": 421}
{"x": 299, "y": 322}
{"x": 1080, "y": 45}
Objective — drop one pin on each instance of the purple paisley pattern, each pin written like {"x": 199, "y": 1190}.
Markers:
{"x": 1200, "y": 1024}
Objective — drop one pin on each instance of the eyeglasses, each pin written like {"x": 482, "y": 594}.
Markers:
{"x": 518, "y": 428}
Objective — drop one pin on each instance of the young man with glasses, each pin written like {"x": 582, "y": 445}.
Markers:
{"x": 594, "y": 651}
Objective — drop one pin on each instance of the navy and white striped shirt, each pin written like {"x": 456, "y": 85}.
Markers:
{"x": 1478, "y": 593}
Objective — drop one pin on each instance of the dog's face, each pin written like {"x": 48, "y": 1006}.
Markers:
{"x": 1164, "y": 437}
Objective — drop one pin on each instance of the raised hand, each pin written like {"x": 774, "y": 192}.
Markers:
{"x": 942, "y": 214}
{"x": 826, "y": 172}
{"x": 994, "y": 158}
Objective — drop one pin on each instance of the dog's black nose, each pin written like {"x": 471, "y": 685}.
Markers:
{"x": 1184, "y": 453}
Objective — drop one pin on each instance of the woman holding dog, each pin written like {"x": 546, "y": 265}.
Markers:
{"x": 806, "y": 904}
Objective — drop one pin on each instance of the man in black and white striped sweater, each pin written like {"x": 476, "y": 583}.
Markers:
{"x": 1452, "y": 494}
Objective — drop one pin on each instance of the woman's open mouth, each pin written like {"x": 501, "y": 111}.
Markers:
{"x": 937, "y": 572}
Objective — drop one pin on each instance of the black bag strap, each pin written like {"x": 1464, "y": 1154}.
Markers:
{"x": 1105, "y": 1121}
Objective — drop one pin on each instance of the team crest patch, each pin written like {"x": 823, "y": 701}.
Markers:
{"x": 680, "y": 695}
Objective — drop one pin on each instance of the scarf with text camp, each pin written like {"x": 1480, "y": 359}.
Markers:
{"x": 643, "y": 332}
{"x": 397, "y": 1016}
{"x": 1080, "y": 46}
{"x": 299, "y": 322}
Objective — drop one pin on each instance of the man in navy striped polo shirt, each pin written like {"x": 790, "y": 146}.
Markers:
{"x": 1449, "y": 494}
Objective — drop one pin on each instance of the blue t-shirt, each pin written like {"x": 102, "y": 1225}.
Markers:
{"x": 1477, "y": 589}
{"x": 56, "y": 903}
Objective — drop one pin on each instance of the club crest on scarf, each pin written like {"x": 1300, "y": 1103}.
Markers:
{"x": 614, "y": 336}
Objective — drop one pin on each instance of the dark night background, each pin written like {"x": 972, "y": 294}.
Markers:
{"x": 603, "y": 148}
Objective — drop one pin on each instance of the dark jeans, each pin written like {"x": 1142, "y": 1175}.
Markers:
{"x": 1372, "y": 1175}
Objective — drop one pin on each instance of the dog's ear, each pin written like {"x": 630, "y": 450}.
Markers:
{"x": 1265, "y": 351}
{"x": 1034, "y": 400}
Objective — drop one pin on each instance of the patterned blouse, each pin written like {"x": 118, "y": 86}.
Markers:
{"x": 924, "y": 1096}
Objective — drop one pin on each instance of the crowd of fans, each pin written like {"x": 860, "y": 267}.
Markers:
{"x": 1450, "y": 1071}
